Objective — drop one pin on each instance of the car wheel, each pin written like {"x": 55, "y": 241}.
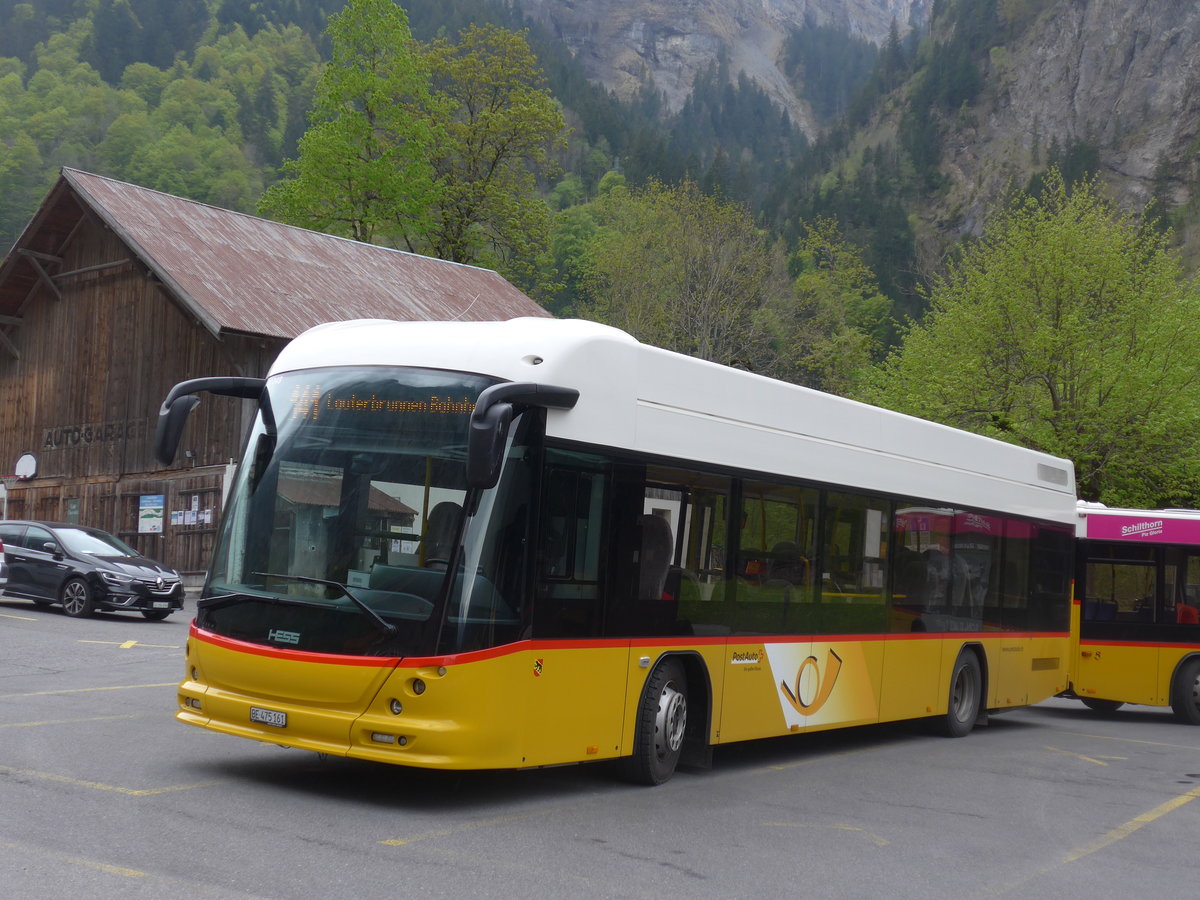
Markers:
{"x": 156, "y": 615}
{"x": 77, "y": 598}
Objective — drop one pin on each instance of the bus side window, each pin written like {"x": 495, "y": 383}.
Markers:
{"x": 567, "y": 563}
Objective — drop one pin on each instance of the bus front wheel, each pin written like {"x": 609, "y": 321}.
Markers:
{"x": 1185, "y": 692}
{"x": 661, "y": 724}
{"x": 966, "y": 695}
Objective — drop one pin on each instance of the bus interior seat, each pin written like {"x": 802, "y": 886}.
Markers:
{"x": 655, "y": 559}
{"x": 788, "y": 564}
{"x": 1187, "y": 615}
{"x": 439, "y": 533}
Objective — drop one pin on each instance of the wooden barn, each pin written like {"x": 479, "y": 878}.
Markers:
{"x": 114, "y": 293}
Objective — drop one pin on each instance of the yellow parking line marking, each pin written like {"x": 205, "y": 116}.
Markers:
{"x": 1108, "y": 737}
{"x": 1132, "y": 825}
{"x": 99, "y": 786}
{"x": 127, "y": 644}
{"x": 467, "y": 826}
{"x": 77, "y": 861}
{"x": 873, "y": 838}
{"x": 1078, "y": 756}
{"x": 118, "y": 687}
{"x": 22, "y": 618}
{"x": 71, "y": 721}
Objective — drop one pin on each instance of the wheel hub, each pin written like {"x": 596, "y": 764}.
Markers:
{"x": 671, "y": 721}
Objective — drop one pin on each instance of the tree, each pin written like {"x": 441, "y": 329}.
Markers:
{"x": 1067, "y": 328}
{"x": 682, "y": 270}
{"x": 491, "y": 152}
{"x": 363, "y": 169}
{"x": 838, "y": 322}
{"x": 437, "y": 149}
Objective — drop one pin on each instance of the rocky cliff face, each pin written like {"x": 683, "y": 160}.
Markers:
{"x": 621, "y": 43}
{"x": 1123, "y": 75}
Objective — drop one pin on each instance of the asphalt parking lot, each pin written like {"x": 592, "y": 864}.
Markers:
{"x": 103, "y": 794}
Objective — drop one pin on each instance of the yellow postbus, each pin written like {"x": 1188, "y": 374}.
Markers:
{"x": 1137, "y": 615}
{"x": 528, "y": 543}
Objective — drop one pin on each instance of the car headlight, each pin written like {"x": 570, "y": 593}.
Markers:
{"x": 117, "y": 579}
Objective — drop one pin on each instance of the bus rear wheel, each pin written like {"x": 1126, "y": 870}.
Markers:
{"x": 661, "y": 725}
{"x": 966, "y": 696}
{"x": 1095, "y": 704}
{"x": 1185, "y": 692}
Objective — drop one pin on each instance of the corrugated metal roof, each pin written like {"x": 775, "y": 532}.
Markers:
{"x": 316, "y": 490}
{"x": 240, "y": 273}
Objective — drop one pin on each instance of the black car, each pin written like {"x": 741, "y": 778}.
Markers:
{"x": 85, "y": 570}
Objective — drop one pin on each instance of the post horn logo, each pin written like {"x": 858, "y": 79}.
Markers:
{"x": 809, "y": 702}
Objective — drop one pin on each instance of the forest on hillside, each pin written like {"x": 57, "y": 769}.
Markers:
{"x": 716, "y": 230}
{"x": 209, "y": 100}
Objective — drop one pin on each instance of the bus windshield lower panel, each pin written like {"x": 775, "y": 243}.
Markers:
{"x": 349, "y": 527}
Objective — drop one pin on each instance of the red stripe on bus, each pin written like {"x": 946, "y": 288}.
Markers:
{"x": 341, "y": 659}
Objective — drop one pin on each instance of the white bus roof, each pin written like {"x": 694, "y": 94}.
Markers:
{"x": 652, "y": 401}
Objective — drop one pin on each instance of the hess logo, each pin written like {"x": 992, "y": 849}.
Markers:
{"x": 812, "y": 686}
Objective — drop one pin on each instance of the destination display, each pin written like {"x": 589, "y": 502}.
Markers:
{"x": 311, "y": 401}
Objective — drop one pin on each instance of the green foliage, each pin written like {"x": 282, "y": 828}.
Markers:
{"x": 1067, "y": 328}
{"x": 493, "y": 149}
{"x": 363, "y": 169}
{"x": 839, "y": 322}
{"x": 682, "y": 270}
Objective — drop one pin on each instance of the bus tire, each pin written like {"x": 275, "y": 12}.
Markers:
{"x": 1095, "y": 704}
{"x": 1185, "y": 692}
{"x": 661, "y": 724}
{"x": 966, "y": 696}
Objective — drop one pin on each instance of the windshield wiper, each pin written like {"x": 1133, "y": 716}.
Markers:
{"x": 220, "y": 601}
{"x": 384, "y": 625}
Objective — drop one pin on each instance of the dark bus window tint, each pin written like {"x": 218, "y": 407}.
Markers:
{"x": 976, "y": 548}
{"x": 1120, "y": 584}
{"x": 855, "y": 559}
{"x": 694, "y": 507}
{"x": 1050, "y": 588}
{"x": 1013, "y": 612}
{"x": 921, "y": 578}
{"x": 774, "y": 586}
{"x": 567, "y": 565}
{"x": 1182, "y": 586}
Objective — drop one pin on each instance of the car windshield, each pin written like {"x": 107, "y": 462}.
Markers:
{"x": 95, "y": 543}
{"x": 352, "y": 494}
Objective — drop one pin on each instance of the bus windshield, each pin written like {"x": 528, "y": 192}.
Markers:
{"x": 345, "y": 526}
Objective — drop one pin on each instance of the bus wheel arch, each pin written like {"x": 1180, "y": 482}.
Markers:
{"x": 1185, "y": 690}
{"x": 965, "y": 706}
{"x": 673, "y": 716}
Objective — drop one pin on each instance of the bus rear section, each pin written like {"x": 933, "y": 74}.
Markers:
{"x": 1137, "y": 616}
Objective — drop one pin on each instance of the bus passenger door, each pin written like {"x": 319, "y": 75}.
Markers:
{"x": 575, "y": 681}
{"x": 1119, "y": 602}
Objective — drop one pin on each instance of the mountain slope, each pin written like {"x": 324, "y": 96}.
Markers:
{"x": 621, "y": 44}
{"x": 1119, "y": 77}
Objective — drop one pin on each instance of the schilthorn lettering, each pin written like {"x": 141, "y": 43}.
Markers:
{"x": 1151, "y": 527}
